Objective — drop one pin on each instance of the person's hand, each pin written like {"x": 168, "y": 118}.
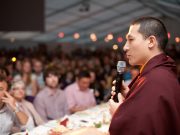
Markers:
{"x": 9, "y": 100}
{"x": 78, "y": 108}
{"x": 22, "y": 117}
{"x": 124, "y": 91}
{"x": 113, "y": 105}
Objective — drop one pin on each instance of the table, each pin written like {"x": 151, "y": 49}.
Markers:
{"x": 97, "y": 116}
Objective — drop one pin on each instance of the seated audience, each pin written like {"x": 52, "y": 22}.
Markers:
{"x": 67, "y": 79}
{"x": 97, "y": 88}
{"x": 38, "y": 71}
{"x": 18, "y": 92}
{"x": 51, "y": 102}
{"x": 79, "y": 95}
{"x": 10, "y": 112}
{"x": 29, "y": 79}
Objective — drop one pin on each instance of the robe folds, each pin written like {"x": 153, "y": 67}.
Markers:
{"x": 152, "y": 106}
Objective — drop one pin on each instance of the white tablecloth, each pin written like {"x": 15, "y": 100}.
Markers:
{"x": 96, "y": 116}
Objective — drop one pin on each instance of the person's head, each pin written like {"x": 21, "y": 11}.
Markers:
{"x": 3, "y": 86}
{"x": 83, "y": 80}
{"x": 93, "y": 76}
{"x": 26, "y": 66}
{"x": 9, "y": 66}
{"x": 37, "y": 66}
{"x": 51, "y": 77}
{"x": 18, "y": 65}
{"x": 3, "y": 71}
{"x": 18, "y": 90}
{"x": 146, "y": 38}
{"x": 69, "y": 75}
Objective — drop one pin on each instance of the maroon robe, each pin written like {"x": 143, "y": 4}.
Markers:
{"x": 152, "y": 106}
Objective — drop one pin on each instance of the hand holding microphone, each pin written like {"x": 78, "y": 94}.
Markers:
{"x": 119, "y": 89}
{"x": 119, "y": 85}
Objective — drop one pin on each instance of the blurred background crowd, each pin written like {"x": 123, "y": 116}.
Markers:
{"x": 59, "y": 48}
{"x": 101, "y": 64}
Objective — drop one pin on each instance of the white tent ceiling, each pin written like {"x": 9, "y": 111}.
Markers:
{"x": 93, "y": 16}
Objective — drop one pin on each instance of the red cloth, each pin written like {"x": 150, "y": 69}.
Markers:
{"x": 152, "y": 106}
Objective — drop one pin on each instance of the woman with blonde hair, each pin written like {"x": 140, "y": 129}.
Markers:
{"x": 18, "y": 92}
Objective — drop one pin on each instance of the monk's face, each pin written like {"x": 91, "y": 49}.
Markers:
{"x": 136, "y": 47}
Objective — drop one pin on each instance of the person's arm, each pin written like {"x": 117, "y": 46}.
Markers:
{"x": 77, "y": 108}
{"x": 72, "y": 107}
{"x": 11, "y": 102}
{"x": 37, "y": 118}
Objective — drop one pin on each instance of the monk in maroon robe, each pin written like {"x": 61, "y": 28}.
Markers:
{"x": 152, "y": 105}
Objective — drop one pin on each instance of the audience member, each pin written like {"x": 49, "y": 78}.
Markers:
{"x": 38, "y": 71}
{"x": 79, "y": 95}
{"x": 29, "y": 79}
{"x": 18, "y": 92}
{"x": 10, "y": 113}
{"x": 51, "y": 101}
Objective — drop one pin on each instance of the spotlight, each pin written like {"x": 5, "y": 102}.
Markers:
{"x": 13, "y": 59}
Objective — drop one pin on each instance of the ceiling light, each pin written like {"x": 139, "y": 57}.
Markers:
{"x": 76, "y": 36}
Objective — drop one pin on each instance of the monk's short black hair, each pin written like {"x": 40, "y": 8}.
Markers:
{"x": 153, "y": 26}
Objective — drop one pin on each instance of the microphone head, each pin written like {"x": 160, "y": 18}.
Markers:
{"x": 121, "y": 65}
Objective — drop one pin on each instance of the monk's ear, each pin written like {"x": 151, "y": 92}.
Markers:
{"x": 152, "y": 41}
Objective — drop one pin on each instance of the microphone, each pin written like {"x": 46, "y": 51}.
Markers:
{"x": 121, "y": 65}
